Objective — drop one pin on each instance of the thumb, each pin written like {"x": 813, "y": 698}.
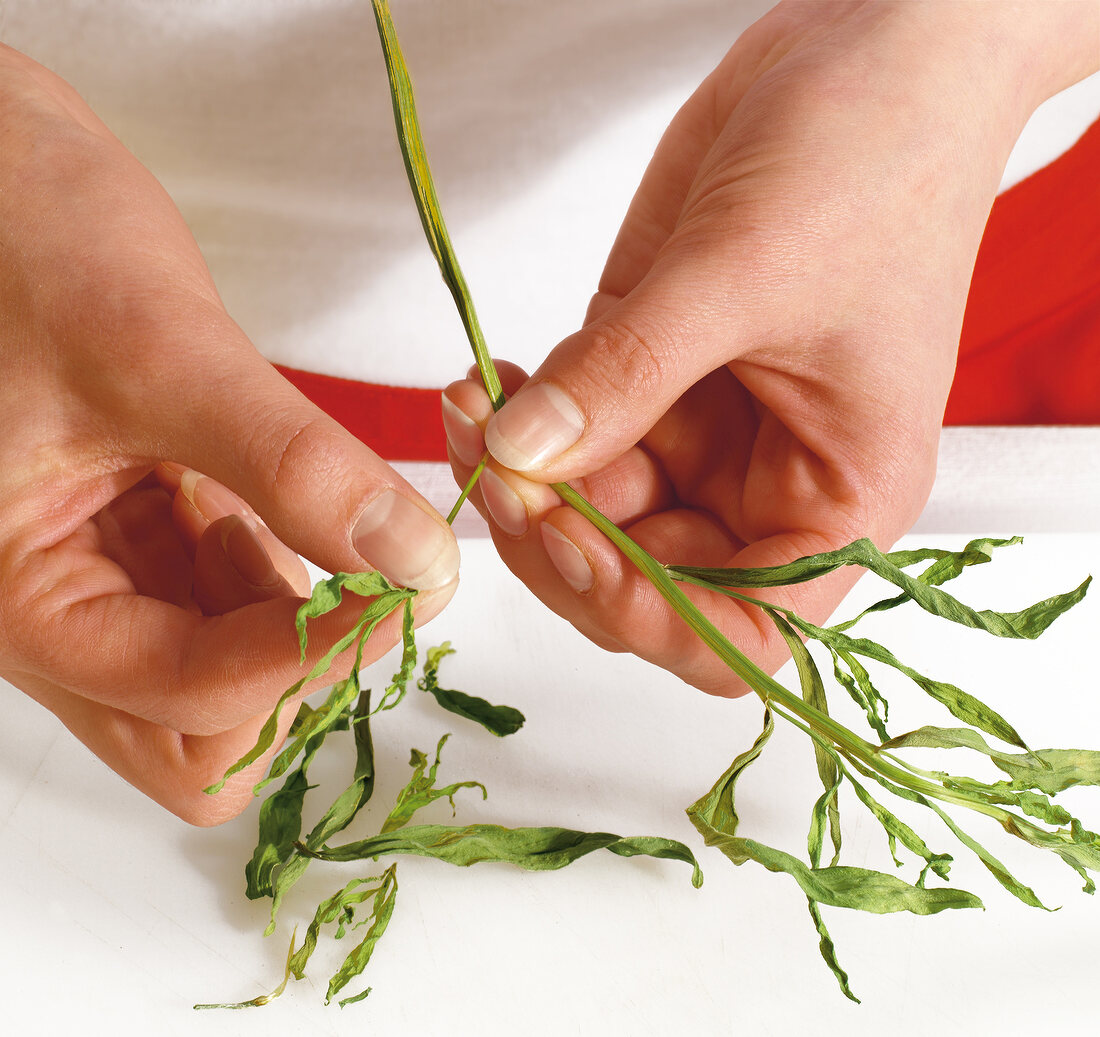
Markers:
{"x": 319, "y": 489}
{"x": 602, "y": 389}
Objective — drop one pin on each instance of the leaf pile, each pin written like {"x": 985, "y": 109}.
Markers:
{"x": 282, "y": 854}
{"x": 1017, "y": 804}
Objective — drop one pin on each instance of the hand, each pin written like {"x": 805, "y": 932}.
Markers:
{"x": 763, "y": 371}
{"x": 149, "y": 606}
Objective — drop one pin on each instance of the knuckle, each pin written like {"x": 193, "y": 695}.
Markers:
{"x": 293, "y": 452}
{"x": 629, "y": 360}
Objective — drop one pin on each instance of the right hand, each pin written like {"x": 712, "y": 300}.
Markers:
{"x": 154, "y": 613}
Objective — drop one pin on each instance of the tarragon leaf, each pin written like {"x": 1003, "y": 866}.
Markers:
{"x": 1049, "y": 771}
{"x": 360, "y": 955}
{"x": 280, "y": 825}
{"x": 342, "y": 811}
{"x": 534, "y": 849}
{"x": 499, "y": 720}
{"x": 1028, "y": 623}
{"x": 946, "y": 565}
{"x": 854, "y": 678}
{"x": 326, "y": 596}
{"x": 827, "y": 805}
{"x": 961, "y": 704}
{"x": 421, "y": 790}
{"x": 715, "y": 817}
{"x": 846, "y": 886}
{"x": 400, "y": 680}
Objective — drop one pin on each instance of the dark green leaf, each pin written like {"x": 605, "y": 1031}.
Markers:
{"x": 499, "y": 720}
{"x": 340, "y": 814}
{"x": 280, "y": 825}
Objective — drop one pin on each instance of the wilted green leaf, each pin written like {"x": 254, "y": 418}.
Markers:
{"x": 534, "y": 849}
{"x": 342, "y": 811}
{"x": 844, "y": 886}
{"x": 328, "y": 594}
{"x": 827, "y": 805}
{"x": 421, "y": 790}
{"x": 360, "y": 955}
{"x": 499, "y": 720}
{"x": 320, "y": 602}
{"x": 1028, "y": 623}
{"x": 946, "y": 565}
{"x": 280, "y": 825}
{"x": 961, "y": 704}
{"x": 1049, "y": 771}
{"x": 400, "y": 680}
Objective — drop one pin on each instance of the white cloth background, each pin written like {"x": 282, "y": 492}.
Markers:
{"x": 269, "y": 123}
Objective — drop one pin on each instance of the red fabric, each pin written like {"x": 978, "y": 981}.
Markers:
{"x": 1030, "y": 349}
{"x": 398, "y": 424}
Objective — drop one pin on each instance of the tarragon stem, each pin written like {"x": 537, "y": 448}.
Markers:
{"x": 439, "y": 240}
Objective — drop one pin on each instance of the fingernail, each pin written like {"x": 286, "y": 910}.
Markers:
{"x": 534, "y": 427}
{"x": 210, "y": 498}
{"x": 404, "y": 543}
{"x": 566, "y": 557}
{"x": 246, "y": 554}
{"x": 463, "y": 434}
{"x": 504, "y": 504}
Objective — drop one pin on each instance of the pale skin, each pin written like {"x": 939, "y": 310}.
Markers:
{"x": 761, "y": 375}
{"x": 150, "y": 609}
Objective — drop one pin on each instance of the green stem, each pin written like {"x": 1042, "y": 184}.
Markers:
{"x": 470, "y": 483}
{"x": 420, "y": 180}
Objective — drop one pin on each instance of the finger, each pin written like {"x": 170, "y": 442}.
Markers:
{"x": 467, "y": 408}
{"x": 90, "y": 634}
{"x": 233, "y": 569}
{"x": 169, "y": 767}
{"x": 612, "y": 604}
{"x": 321, "y": 491}
{"x": 136, "y": 532}
{"x": 668, "y": 313}
{"x": 200, "y": 501}
{"x": 631, "y": 486}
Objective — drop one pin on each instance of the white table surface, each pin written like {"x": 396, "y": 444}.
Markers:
{"x": 118, "y": 917}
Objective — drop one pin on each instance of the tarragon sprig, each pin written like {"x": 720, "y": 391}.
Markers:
{"x": 840, "y": 753}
